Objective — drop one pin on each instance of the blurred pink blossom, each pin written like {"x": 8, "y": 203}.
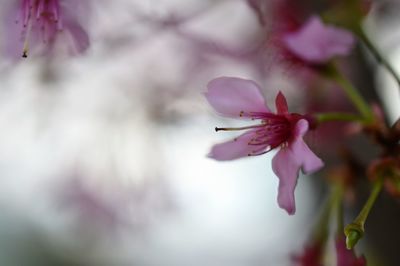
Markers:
{"x": 114, "y": 207}
{"x": 347, "y": 257}
{"x": 240, "y": 98}
{"x": 311, "y": 256}
{"x": 317, "y": 43}
{"x": 41, "y": 24}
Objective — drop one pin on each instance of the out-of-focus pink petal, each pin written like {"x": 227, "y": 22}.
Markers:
{"x": 311, "y": 256}
{"x": 44, "y": 26}
{"x": 347, "y": 257}
{"x": 76, "y": 13}
{"x": 79, "y": 36}
{"x": 318, "y": 43}
{"x": 235, "y": 97}
{"x": 281, "y": 104}
{"x": 287, "y": 164}
{"x": 236, "y": 148}
{"x": 12, "y": 39}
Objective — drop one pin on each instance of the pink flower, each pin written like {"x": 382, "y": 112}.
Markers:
{"x": 240, "y": 98}
{"x": 41, "y": 24}
{"x": 311, "y": 256}
{"x": 317, "y": 43}
{"x": 347, "y": 257}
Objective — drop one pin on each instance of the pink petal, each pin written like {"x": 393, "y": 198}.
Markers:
{"x": 318, "y": 43}
{"x": 233, "y": 96}
{"x": 67, "y": 33}
{"x": 286, "y": 166}
{"x": 301, "y": 128}
{"x": 281, "y": 104}
{"x": 13, "y": 43}
{"x": 287, "y": 163}
{"x": 236, "y": 148}
{"x": 79, "y": 36}
{"x": 309, "y": 161}
{"x": 76, "y": 11}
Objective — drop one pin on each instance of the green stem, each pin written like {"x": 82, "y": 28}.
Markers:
{"x": 353, "y": 95}
{"x": 355, "y": 231}
{"x": 321, "y": 228}
{"x": 375, "y": 52}
{"x": 325, "y": 117}
{"x": 340, "y": 220}
{"x": 370, "y": 202}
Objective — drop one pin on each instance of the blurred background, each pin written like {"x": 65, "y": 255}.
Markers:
{"x": 103, "y": 155}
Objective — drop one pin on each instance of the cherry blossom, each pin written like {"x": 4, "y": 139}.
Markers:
{"x": 240, "y": 98}
{"x": 41, "y": 25}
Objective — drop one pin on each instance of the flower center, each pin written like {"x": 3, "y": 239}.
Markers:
{"x": 274, "y": 130}
{"x": 41, "y": 15}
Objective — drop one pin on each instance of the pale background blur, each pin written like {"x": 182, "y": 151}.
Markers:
{"x": 103, "y": 156}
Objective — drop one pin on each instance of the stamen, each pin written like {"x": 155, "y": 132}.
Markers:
{"x": 40, "y": 9}
{"x": 25, "y": 49}
{"x": 54, "y": 9}
{"x": 256, "y": 154}
{"x": 259, "y": 142}
{"x": 237, "y": 128}
{"x": 272, "y": 129}
{"x": 284, "y": 144}
{"x": 26, "y": 11}
{"x": 267, "y": 116}
{"x": 260, "y": 151}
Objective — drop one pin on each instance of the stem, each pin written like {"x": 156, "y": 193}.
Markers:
{"x": 370, "y": 202}
{"x": 321, "y": 228}
{"x": 340, "y": 220}
{"x": 353, "y": 95}
{"x": 355, "y": 231}
{"x": 378, "y": 56}
{"x": 326, "y": 117}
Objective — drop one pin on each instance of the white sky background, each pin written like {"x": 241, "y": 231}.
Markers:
{"x": 127, "y": 122}
{"x": 386, "y": 36}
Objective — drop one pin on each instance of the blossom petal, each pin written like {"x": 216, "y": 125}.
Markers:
{"x": 236, "y": 148}
{"x": 301, "y": 128}
{"x": 13, "y": 43}
{"x": 281, "y": 104}
{"x": 235, "y": 97}
{"x": 286, "y": 167}
{"x": 287, "y": 163}
{"x": 311, "y": 256}
{"x": 318, "y": 43}
{"x": 310, "y": 162}
{"x": 79, "y": 36}
{"x": 54, "y": 26}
